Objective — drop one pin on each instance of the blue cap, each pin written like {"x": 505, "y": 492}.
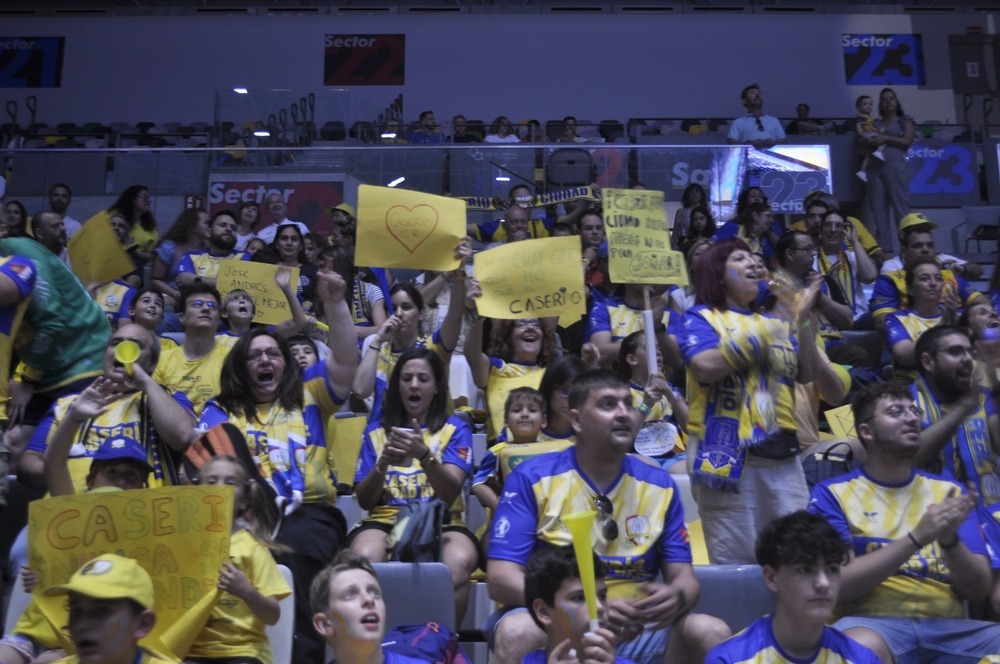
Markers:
{"x": 120, "y": 448}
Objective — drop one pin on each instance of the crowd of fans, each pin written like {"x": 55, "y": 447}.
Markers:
{"x": 578, "y": 416}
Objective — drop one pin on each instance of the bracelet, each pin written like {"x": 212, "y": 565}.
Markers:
{"x": 806, "y": 324}
{"x": 425, "y": 455}
{"x": 951, "y": 545}
{"x": 643, "y": 408}
{"x": 431, "y": 460}
{"x": 914, "y": 540}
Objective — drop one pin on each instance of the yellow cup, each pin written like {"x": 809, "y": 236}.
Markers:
{"x": 127, "y": 352}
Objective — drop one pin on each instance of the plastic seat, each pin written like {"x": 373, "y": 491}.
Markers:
{"x": 417, "y": 593}
{"x": 735, "y": 594}
{"x": 570, "y": 167}
{"x": 281, "y": 634}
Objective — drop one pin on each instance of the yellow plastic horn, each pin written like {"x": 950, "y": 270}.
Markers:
{"x": 579, "y": 525}
{"x": 127, "y": 352}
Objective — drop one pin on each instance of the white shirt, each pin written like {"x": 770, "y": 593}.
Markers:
{"x": 896, "y": 263}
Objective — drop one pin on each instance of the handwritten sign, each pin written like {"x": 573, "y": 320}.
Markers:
{"x": 841, "y": 421}
{"x": 532, "y": 278}
{"x": 399, "y": 228}
{"x": 179, "y": 534}
{"x": 258, "y": 280}
{"x": 639, "y": 239}
{"x": 95, "y": 253}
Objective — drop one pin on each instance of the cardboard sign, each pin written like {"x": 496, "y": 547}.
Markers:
{"x": 841, "y": 421}
{"x": 95, "y": 253}
{"x": 532, "y": 278}
{"x": 400, "y": 228}
{"x": 258, "y": 280}
{"x": 639, "y": 239}
{"x": 180, "y": 535}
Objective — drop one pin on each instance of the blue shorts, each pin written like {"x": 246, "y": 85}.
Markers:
{"x": 927, "y": 640}
{"x": 647, "y": 648}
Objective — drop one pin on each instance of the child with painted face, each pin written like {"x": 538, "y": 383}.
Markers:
{"x": 349, "y": 611}
{"x": 250, "y": 580}
{"x": 554, "y": 593}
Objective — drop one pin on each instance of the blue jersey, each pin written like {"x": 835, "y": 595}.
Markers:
{"x": 756, "y": 645}
{"x": 647, "y": 508}
{"x": 869, "y": 515}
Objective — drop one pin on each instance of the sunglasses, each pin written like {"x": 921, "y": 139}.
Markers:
{"x": 609, "y": 529}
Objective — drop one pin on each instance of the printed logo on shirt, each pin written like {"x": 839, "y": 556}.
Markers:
{"x": 501, "y": 528}
{"x": 870, "y": 517}
{"x": 637, "y": 529}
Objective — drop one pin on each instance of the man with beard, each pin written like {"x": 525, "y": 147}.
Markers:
{"x": 961, "y": 427}
{"x": 916, "y": 548}
{"x": 50, "y": 231}
{"x": 202, "y": 265}
{"x": 60, "y": 197}
{"x": 755, "y": 128}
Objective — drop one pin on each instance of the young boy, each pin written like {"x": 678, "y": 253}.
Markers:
{"x": 554, "y": 594}
{"x": 110, "y": 609}
{"x": 801, "y": 556}
{"x": 349, "y": 612}
{"x": 524, "y": 417}
{"x": 120, "y": 463}
{"x": 866, "y": 127}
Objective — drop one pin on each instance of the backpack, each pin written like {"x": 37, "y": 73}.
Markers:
{"x": 820, "y": 466}
{"x": 416, "y": 537}
{"x": 429, "y": 642}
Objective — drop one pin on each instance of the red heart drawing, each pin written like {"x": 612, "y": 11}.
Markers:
{"x": 411, "y": 226}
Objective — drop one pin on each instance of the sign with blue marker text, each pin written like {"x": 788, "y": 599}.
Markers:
{"x": 31, "y": 62}
{"x": 883, "y": 59}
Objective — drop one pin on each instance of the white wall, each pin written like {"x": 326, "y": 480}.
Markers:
{"x": 481, "y": 65}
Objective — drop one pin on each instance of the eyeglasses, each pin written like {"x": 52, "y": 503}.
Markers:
{"x": 833, "y": 225}
{"x": 959, "y": 351}
{"x": 208, "y": 304}
{"x": 529, "y": 322}
{"x": 896, "y": 411}
{"x": 271, "y": 352}
{"x": 811, "y": 249}
{"x": 609, "y": 529}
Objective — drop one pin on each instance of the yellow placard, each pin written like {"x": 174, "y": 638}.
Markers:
{"x": 532, "y": 278}
{"x": 400, "y": 228}
{"x": 841, "y": 421}
{"x": 639, "y": 239}
{"x": 95, "y": 253}
{"x": 258, "y": 280}
{"x": 180, "y": 535}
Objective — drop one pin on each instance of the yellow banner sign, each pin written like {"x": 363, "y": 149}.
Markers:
{"x": 639, "y": 239}
{"x": 96, "y": 255}
{"x": 400, "y": 228}
{"x": 258, "y": 280}
{"x": 532, "y": 278}
{"x": 179, "y": 534}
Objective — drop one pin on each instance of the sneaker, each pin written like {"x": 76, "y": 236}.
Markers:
{"x": 878, "y": 154}
{"x": 862, "y": 176}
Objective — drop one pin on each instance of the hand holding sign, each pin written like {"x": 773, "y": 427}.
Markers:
{"x": 399, "y": 228}
{"x": 639, "y": 239}
{"x": 261, "y": 281}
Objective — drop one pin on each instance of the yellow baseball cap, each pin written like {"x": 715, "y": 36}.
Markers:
{"x": 344, "y": 207}
{"x": 109, "y": 577}
{"x": 915, "y": 219}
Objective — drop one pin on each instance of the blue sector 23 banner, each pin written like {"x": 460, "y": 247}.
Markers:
{"x": 883, "y": 59}
{"x": 31, "y": 62}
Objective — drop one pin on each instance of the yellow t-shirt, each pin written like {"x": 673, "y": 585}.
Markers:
{"x": 233, "y": 630}
{"x": 144, "y": 240}
{"x": 198, "y": 379}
